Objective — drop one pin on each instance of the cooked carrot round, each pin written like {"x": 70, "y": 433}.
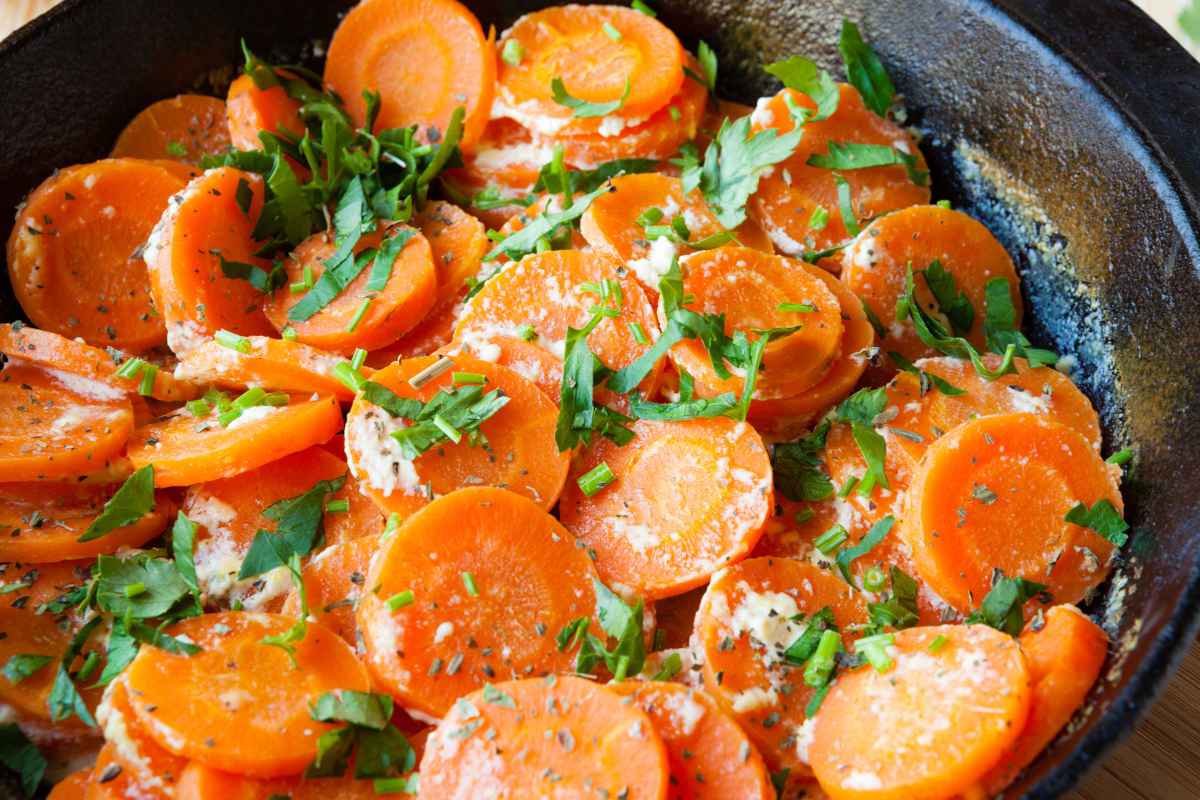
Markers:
{"x": 72, "y": 787}
{"x": 334, "y": 579}
{"x": 993, "y": 494}
{"x": 185, "y": 449}
{"x": 240, "y": 704}
{"x": 544, "y": 202}
{"x": 506, "y": 160}
{"x": 745, "y": 623}
{"x": 430, "y": 334}
{"x": 474, "y": 586}
{"x": 424, "y": 57}
{"x": 577, "y": 739}
{"x": 536, "y": 364}
{"x": 132, "y": 763}
{"x": 251, "y": 109}
{"x": 186, "y": 128}
{"x": 709, "y": 754}
{"x": 200, "y": 782}
{"x": 458, "y": 242}
{"x": 274, "y": 364}
{"x": 928, "y": 726}
{"x": 688, "y": 498}
{"x": 74, "y": 255}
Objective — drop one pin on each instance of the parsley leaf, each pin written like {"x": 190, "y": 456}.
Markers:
{"x": 365, "y": 709}
{"x": 22, "y": 757}
{"x": 805, "y": 645}
{"x": 864, "y": 70}
{"x": 799, "y": 468}
{"x": 863, "y": 406}
{"x": 868, "y": 543}
{"x": 582, "y": 109}
{"x": 953, "y": 303}
{"x": 900, "y": 610}
{"x": 804, "y": 76}
{"x": 381, "y": 268}
{"x": 556, "y": 178}
{"x": 379, "y": 748}
{"x": 855, "y": 155}
{"x": 621, "y": 622}
{"x": 578, "y": 415}
{"x": 1002, "y": 607}
{"x": 519, "y": 244}
{"x": 64, "y": 699}
{"x": 389, "y": 401}
{"x": 927, "y": 379}
{"x": 447, "y": 416}
{"x": 157, "y": 580}
{"x": 183, "y": 549}
{"x": 300, "y": 529}
{"x": 1103, "y": 518}
{"x": 1000, "y": 326}
{"x": 119, "y": 653}
{"x": 253, "y": 274}
{"x": 23, "y": 665}
{"x": 128, "y": 504}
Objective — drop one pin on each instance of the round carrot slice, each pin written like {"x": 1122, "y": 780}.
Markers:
{"x": 755, "y": 290}
{"x": 199, "y": 782}
{"x": 876, "y": 262}
{"x": 132, "y": 763}
{"x": 343, "y": 325}
{"x": 239, "y": 704}
{"x": 674, "y": 618}
{"x": 458, "y": 242}
{"x": 57, "y": 429}
{"x": 186, "y": 128}
{"x": 643, "y": 64}
{"x": 527, "y": 359}
{"x": 715, "y": 114}
{"x": 790, "y": 532}
{"x": 333, "y": 582}
{"x": 74, "y": 256}
{"x": 931, "y": 724}
{"x": 430, "y": 334}
{"x": 688, "y": 498}
{"x": 577, "y": 739}
{"x": 443, "y": 614}
{"x": 425, "y": 58}
{"x": 275, "y": 364}
{"x": 204, "y": 224}
{"x": 251, "y": 109}
{"x": 787, "y": 198}
{"x": 993, "y": 494}
{"x": 185, "y": 449}
{"x": 362, "y": 518}
{"x": 72, "y": 787}
{"x": 709, "y": 754}
{"x": 747, "y": 620}
{"x": 506, "y": 161}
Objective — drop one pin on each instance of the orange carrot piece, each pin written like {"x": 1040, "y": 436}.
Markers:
{"x": 186, "y": 128}
{"x": 430, "y": 334}
{"x": 250, "y": 109}
{"x": 790, "y": 531}
{"x": 931, "y": 724}
{"x": 274, "y": 364}
{"x": 334, "y": 580}
{"x": 72, "y": 787}
{"x": 132, "y": 763}
{"x": 199, "y": 782}
{"x": 578, "y": 739}
{"x": 74, "y": 255}
{"x": 239, "y": 704}
{"x": 361, "y": 520}
{"x": 714, "y": 115}
{"x": 507, "y": 161}
{"x": 529, "y": 578}
{"x": 674, "y": 618}
{"x": 458, "y": 242}
{"x": 185, "y": 449}
{"x": 536, "y": 364}
{"x": 688, "y": 498}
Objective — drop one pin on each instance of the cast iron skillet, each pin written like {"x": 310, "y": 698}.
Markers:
{"x": 1068, "y": 126}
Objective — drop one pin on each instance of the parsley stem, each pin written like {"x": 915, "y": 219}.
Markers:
{"x": 796, "y": 308}
{"x": 469, "y": 378}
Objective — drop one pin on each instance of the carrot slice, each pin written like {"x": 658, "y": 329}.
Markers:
{"x": 72, "y": 787}
{"x": 425, "y": 58}
{"x": 506, "y": 161}
{"x": 204, "y": 224}
{"x": 643, "y": 65}
{"x": 745, "y": 623}
{"x": 132, "y": 763}
{"x": 709, "y": 754}
{"x": 333, "y": 582}
{"x": 251, "y": 109}
{"x": 420, "y": 616}
{"x": 520, "y": 453}
{"x": 199, "y": 782}
{"x": 185, "y": 449}
{"x": 578, "y": 739}
{"x": 787, "y": 198}
{"x": 186, "y": 128}
{"x": 688, "y": 497}
{"x": 526, "y": 215}
{"x": 240, "y": 704}
{"x": 74, "y": 256}
{"x": 356, "y": 317}
{"x": 790, "y": 532}
{"x": 458, "y": 242}
{"x": 362, "y": 518}
{"x": 275, "y": 364}
{"x": 931, "y": 724}
{"x": 714, "y": 115}
{"x": 532, "y": 362}
{"x": 876, "y": 262}
{"x": 970, "y": 509}
{"x": 674, "y": 618}
{"x": 754, "y": 290}
{"x": 430, "y": 334}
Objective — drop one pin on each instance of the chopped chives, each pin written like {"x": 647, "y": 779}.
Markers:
{"x": 848, "y": 487}
{"x": 943, "y": 203}
{"x": 358, "y": 315}
{"x": 349, "y": 377}
{"x": 674, "y": 112}
{"x": 289, "y": 333}
{"x": 937, "y": 644}
{"x": 651, "y": 216}
{"x": 874, "y": 579}
{"x": 233, "y": 341}
{"x": 831, "y": 540}
{"x": 1121, "y": 457}
{"x": 874, "y": 649}
{"x": 400, "y": 600}
{"x": 199, "y": 407}
{"x": 797, "y": 308}
{"x": 356, "y": 360}
{"x": 819, "y": 219}
{"x": 595, "y": 479}
{"x": 393, "y": 522}
{"x": 469, "y": 378}
{"x": 821, "y": 663}
{"x": 469, "y": 581}
{"x": 638, "y": 5}
{"x": 639, "y": 334}
{"x": 803, "y": 515}
{"x": 131, "y": 368}
{"x": 149, "y": 373}
{"x": 445, "y": 427}
{"x": 135, "y": 589}
{"x": 512, "y": 53}
{"x": 527, "y": 333}
{"x": 434, "y": 370}
{"x": 250, "y": 398}
{"x": 403, "y": 785}
{"x": 225, "y": 418}
{"x": 611, "y": 32}
{"x": 334, "y": 506}
{"x": 89, "y": 666}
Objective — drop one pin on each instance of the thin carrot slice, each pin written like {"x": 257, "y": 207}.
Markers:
{"x": 714, "y": 115}
{"x": 642, "y": 67}
{"x": 787, "y": 198}
{"x": 200, "y": 782}
{"x": 688, "y": 498}
{"x": 425, "y": 58}
{"x": 578, "y": 739}
{"x": 362, "y": 517}
{"x": 186, "y": 128}
{"x": 993, "y": 494}
{"x": 250, "y": 110}
{"x": 755, "y": 290}
{"x": 876, "y": 262}
{"x": 508, "y": 580}
{"x": 334, "y": 579}
{"x": 74, "y": 256}
{"x": 72, "y": 787}
{"x": 430, "y": 334}
{"x": 185, "y": 449}
{"x": 532, "y": 362}
{"x": 458, "y": 242}
{"x": 356, "y": 317}
{"x": 748, "y": 618}
{"x": 505, "y": 163}
{"x": 929, "y": 725}
{"x": 709, "y": 754}
{"x": 58, "y": 429}
{"x": 240, "y": 704}
{"x": 792, "y": 529}
{"x": 203, "y": 225}
{"x": 132, "y": 763}
{"x": 275, "y": 364}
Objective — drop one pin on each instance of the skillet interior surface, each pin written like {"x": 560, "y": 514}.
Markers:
{"x": 1065, "y": 125}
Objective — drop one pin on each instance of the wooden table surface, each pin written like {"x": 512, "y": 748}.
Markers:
{"x": 1161, "y": 759}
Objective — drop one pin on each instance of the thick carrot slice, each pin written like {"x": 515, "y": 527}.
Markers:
{"x": 240, "y": 704}
{"x": 643, "y": 65}
{"x": 58, "y": 429}
{"x": 688, "y": 498}
{"x": 185, "y": 449}
{"x": 204, "y": 224}
{"x": 520, "y": 453}
{"x": 132, "y": 763}
{"x": 430, "y": 334}
{"x": 745, "y": 623}
{"x": 993, "y": 494}
{"x": 753, "y": 290}
{"x": 74, "y": 256}
{"x": 578, "y": 739}
{"x": 251, "y": 109}
{"x": 334, "y": 579}
{"x": 536, "y": 364}
{"x": 709, "y": 754}
{"x": 458, "y": 242}
{"x": 787, "y": 198}
{"x": 424, "y": 57}
{"x": 1064, "y": 657}
{"x": 72, "y": 787}
{"x": 343, "y": 325}
{"x": 420, "y": 616}
{"x": 186, "y": 128}
{"x": 275, "y": 364}
{"x": 931, "y": 724}
{"x": 876, "y": 262}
